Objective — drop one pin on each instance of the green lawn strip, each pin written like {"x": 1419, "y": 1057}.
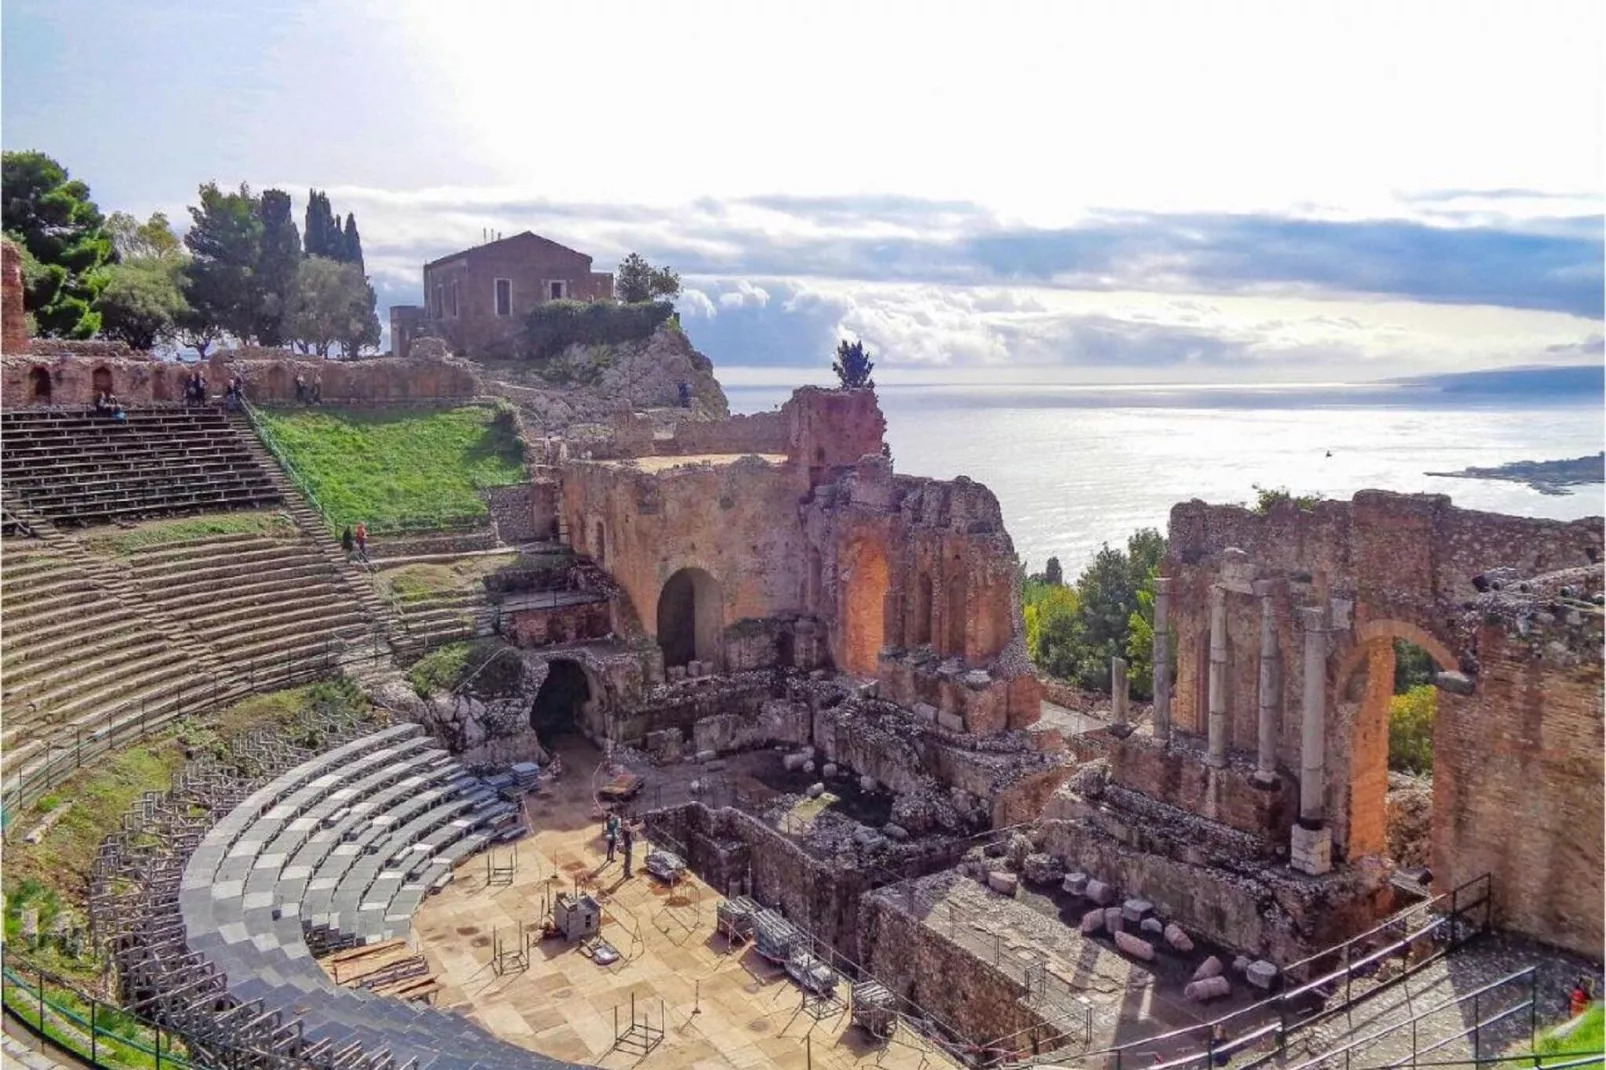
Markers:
{"x": 427, "y": 580}
{"x": 267, "y": 523}
{"x": 120, "y": 1039}
{"x": 387, "y": 467}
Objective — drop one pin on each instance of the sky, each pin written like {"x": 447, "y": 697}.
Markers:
{"x": 1033, "y": 192}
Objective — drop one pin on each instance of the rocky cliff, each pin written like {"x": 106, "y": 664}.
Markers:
{"x": 588, "y": 384}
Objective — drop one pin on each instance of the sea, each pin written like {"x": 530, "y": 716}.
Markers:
{"x": 1077, "y": 467}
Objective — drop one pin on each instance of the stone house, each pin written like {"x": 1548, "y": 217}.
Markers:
{"x": 477, "y": 299}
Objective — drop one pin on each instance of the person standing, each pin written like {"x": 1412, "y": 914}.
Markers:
{"x": 348, "y": 542}
{"x": 610, "y": 832}
{"x": 362, "y": 539}
{"x": 629, "y": 838}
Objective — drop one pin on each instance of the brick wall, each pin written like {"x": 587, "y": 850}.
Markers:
{"x": 531, "y": 264}
{"x": 513, "y": 510}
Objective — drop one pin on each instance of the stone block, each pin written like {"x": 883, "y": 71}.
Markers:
{"x": 1135, "y": 946}
{"x": 1153, "y": 926}
{"x": 1261, "y": 974}
{"x": 1093, "y": 922}
{"x": 816, "y": 790}
{"x": 1210, "y": 967}
{"x": 808, "y": 767}
{"x": 867, "y": 783}
{"x": 1099, "y": 892}
{"x": 1112, "y": 919}
{"x": 1179, "y": 940}
{"x": 1135, "y": 910}
{"x": 1208, "y": 989}
{"x": 978, "y": 679}
{"x": 895, "y": 832}
{"x": 950, "y": 722}
{"x": 706, "y": 756}
{"x": 793, "y": 762}
{"x": 1240, "y": 965}
{"x": 676, "y": 673}
{"x": 1311, "y": 850}
{"x": 1003, "y": 882}
{"x": 1075, "y": 883}
{"x": 828, "y": 769}
{"x": 926, "y": 712}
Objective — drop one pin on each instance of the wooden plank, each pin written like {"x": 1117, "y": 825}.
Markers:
{"x": 366, "y": 949}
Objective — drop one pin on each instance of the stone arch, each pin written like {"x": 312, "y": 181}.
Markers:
{"x": 691, "y": 618}
{"x": 563, "y": 700}
{"x": 864, "y": 609}
{"x": 39, "y": 384}
{"x": 100, "y": 380}
{"x": 1366, "y": 805}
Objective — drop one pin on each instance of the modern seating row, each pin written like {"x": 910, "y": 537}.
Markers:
{"x": 345, "y": 847}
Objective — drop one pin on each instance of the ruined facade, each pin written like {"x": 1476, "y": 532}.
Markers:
{"x": 477, "y": 299}
{"x": 1275, "y": 726}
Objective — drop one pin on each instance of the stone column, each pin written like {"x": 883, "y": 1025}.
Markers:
{"x": 1313, "y": 739}
{"x": 1218, "y": 676}
{"x": 1162, "y": 658}
{"x": 1311, "y": 846}
{"x": 1119, "y": 692}
{"x": 1266, "y": 749}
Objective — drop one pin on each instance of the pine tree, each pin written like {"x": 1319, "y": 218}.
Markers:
{"x": 323, "y": 237}
{"x": 352, "y": 243}
{"x": 275, "y": 273}
{"x": 853, "y": 365}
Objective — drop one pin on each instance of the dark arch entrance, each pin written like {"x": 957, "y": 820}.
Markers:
{"x": 100, "y": 380}
{"x": 690, "y": 617}
{"x": 40, "y": 378}
{"x": 561, "y": 700}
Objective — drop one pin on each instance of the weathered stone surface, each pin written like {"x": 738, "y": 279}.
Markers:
{"x": 1135, "y": 910}
{"x": 1093, "y": 922}
{"x": 1240, "y": 965}
{"x": 895, "y": 831}
{"x": 867, "y": 783}
{"x": 1040, "y": 868}
{"x": 1099, "y": 892}
{"x": 1153, "y": 926}
{"x": 816, "y": 790}
{"x": 829, "y": 769}
{"x": 706, "y": 756}
{"x": 793, "y": 762}
{"x": 926, "y": 712}
{"x": 1112, "y": 919}
{"x": 951, "y": 722}
{"x": 1261, "y": 974}
{"x": 1180, "y": 940}
{"x": 1210, "y": 967}
{"x": 1207, "y": 989}
{"x": 1134, "y": 946}
{"x": 1075, "y": 883}
{"x": 1003, "y": 882}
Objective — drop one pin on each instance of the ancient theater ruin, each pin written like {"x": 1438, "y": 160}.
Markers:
{"x": 859, "y": 828}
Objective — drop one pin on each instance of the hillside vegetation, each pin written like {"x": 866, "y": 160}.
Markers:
{"x": 395, "y": 467}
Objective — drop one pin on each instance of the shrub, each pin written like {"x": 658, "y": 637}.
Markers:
{"x": 1411, "y": 717}
{"x": 1266, "y": 497}
{"x": 553, "y": 326}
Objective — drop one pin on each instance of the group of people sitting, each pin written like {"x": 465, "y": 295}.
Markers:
{"x": 355, "y": 540}
{"x": 106, "y": 404}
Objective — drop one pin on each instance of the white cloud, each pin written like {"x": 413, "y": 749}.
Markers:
{"x": 693, "y": 303}
{"x": 745, "y": 295}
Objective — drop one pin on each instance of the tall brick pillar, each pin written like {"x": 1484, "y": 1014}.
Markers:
{"x": 13, "y": 317}
{"x": 1162, "y": 658}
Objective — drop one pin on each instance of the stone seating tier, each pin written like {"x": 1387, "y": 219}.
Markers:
{"x": 342, "y": 829}
{"x": 88, "y": 469}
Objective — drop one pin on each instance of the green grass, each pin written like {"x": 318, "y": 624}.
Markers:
{"x": 1588, "y": 1037}
{"x": 445, "y": 667}
{"x": 421, "y": 582}
{"x": 390, "y": 467}
{"x": 193, "y": 529}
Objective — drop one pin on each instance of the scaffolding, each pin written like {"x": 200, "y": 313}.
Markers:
{"x": 640, "y": 1036}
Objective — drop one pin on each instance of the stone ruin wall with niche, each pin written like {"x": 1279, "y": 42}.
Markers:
{"x": 1518, "y": 767}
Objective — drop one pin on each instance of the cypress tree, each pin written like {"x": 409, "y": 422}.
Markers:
{"x": 275, "y": 270}
{"x": 352, "y": 244}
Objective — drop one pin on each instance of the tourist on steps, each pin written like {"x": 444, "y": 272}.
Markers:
{"x": 233, "y": 395}
{"x": 347, "y": 542}
{"x": 362, "y": 540}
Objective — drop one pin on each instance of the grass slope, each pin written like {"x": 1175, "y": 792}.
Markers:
{"x": 387, "y": 467}
{"x": 273, "y": 524}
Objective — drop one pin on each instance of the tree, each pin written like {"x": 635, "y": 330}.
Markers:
{"x": 636, "y": 281}
{"x": 322, "y": 234}
{"x": 225, "y": 242}
{"x": 274, "y": 275}
{"x": 151, "y": 240}
{"x": 1053, "y": 573}
{"x": 853, "y": 365}
{"x": 329, "y": 305}
{"x": 1050, "y": 614}
{"x": 1109, "y": 594}
{"x": 51, "y": 216}
{"x": 351, "y": 244}
{"x": 363, "y": 327}
{"x": 142, "y": 302}
{"x": 1411, "y": 717}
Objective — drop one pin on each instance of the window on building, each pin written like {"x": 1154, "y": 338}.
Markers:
{"x": 456, "y": 290}
{"x": 558, "y": 290}
{"x": 504, "y": 297}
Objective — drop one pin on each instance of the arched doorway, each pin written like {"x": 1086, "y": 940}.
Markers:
{"x": 864, "y": 626}
{"x": 39, "y": 378}
{"x": 691, "y": 618}
{"x": 920, "y": 623}
{"x": 1384, "y": 691}
{"x": 560, "y": 702}
{"x": 100, "y": 380}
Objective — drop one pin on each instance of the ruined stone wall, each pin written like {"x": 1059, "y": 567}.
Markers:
{"x": 531, "y": 628}
{"x": 1517, "y": 774}
{"x": 513, "y": 509}
{"x": 75, "y": 369}
{"x": 13, "y": 316}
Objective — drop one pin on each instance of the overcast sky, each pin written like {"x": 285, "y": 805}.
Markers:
{"x": 1119, "y": 191}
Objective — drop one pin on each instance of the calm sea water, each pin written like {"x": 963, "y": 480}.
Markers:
{"x": 1074, "y": 468}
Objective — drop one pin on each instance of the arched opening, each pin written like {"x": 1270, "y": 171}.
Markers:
{"x": 100, "y": 380}
{"x": 1385, "y": 692}
{"x": 690, "y": 618}
{"x": 39, "y": 379}
{"x": 920, "y": 618}
{"x": 599, "y": 545}
{"x": 864, "y": 627}
{"x": 560, "y": 702}
{"x": 786, "y": 651}
{"x": 954, "y": 619}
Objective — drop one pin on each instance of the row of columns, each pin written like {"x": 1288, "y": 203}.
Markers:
{"x": 1313, "y": 621}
